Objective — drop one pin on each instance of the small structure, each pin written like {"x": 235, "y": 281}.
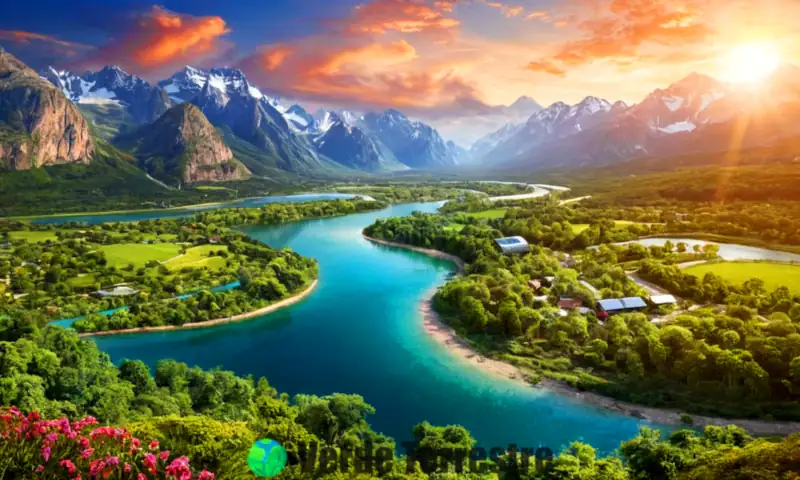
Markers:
{"x": 659, "y": 300}
{"x": 513, "y": 244}
{"x": 611, "y": 306}
{"x": 634, "y": 303}
{"x": 214, "y": 239}
{"x": 569, "y": 303}
{"x": 117, "y": 291}
{"x": 535, "y": 285}
{"x": 550, "y": 280}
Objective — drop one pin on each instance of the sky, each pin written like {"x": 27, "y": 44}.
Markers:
{"x": 450, "y": 62}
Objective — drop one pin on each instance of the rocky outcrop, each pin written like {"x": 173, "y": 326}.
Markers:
{"x": 183, "y": 147}
{"x": 38, "y": 125}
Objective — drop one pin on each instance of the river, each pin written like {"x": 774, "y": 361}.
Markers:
{"x": 361, "y": 332}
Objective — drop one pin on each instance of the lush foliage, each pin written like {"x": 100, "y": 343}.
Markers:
{"x": 65, "y": 449}
{"x": 684, "y": 361}
{"x": 178, "y": 267}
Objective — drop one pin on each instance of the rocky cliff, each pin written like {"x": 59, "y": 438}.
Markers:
{"x": 183, "y": 147}
{"x": 38, "y": 124}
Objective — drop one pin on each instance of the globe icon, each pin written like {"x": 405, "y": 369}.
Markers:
{"x": 267, "y": 458}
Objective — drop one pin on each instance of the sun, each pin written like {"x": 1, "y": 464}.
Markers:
{"x": 751, "y": 62}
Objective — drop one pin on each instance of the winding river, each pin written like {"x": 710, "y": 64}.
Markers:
{"x": 361, "y": 332}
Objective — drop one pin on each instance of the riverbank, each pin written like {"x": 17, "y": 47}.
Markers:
{"x": 211, "y": 323}
{"x": 458, "y": 346}
{"x": 427, "y": 251}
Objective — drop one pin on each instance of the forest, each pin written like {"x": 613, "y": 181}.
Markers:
{"x": 173, "y": 266}
{"x": 743, "y": 341}
{"x": 96, "y": 420}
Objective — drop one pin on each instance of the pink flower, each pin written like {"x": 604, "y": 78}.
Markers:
{"x": 153, "y": 445}
{"x": 14, "y": 411}
{"x": 68, "y": 465}
{"x": 33, "y": 416}
{"x": 127, "y": 468}
{"x": 40, "y": 469}
{"x": 205, "y": 475}
{"x": 86, "y": 453}
{"x": 135, "y": 442}
{"x": 46, "y": 453}
{"x": 141, "y": 476}
{"x": 84, "y": 442}
{"x": 164, "y": 455}
{"x": 113, "y": 461}
{"x": 150, "y": 461}
{"x": 50, "y": 439}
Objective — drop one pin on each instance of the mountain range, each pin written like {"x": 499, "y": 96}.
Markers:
{"x": 135, "y": 116}
{"x": 227, "y": 129}
{"x": 695, "y": 114}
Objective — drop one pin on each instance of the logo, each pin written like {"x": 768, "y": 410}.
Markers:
{"x": 267, "y": 458}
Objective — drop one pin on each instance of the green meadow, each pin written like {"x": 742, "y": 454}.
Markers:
{"x": 774, "y": 275}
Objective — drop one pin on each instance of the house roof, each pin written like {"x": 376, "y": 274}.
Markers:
{"x": 611, "y": 304}
{"x": 663, "y": 299}
{"x": 512, "y": 244}
{"x": 633, "y": 302}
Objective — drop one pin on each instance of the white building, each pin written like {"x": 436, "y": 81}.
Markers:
{"x": 513, "y": 244}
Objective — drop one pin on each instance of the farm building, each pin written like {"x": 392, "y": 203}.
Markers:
{"x": 659, "y": 300}
{"x": 620, "y": 305}
{"x": 513, "y": 244}
{"x": 569, "y": 303}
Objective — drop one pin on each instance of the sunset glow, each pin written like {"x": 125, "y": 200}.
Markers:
{"x": 751, "y": 63}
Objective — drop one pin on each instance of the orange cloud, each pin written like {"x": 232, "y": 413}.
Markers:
{"x": 275, "y": 57}
{"x": 507, "y": 10}
{"x": 18, "y": 36}
{"x": 538, "y": 15}
{"x": 395, "y": 52}
{"x": 405, "y": 16}
{"x": 546, "y": 67}
{"x": 159, "y": 41}
{"x": 361, "y": 76}
{"x": 630, "y": 25}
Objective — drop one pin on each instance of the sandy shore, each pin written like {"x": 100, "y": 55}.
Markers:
{"x": 427, "y": 251}
{"x": 210, "y": 323}
{"x": 459, "y": 347}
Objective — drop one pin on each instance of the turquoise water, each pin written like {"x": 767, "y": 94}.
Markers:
{"x": 360, "y": 332}
{"x": 185, "y": 212}
{"x": 66, "y": 322}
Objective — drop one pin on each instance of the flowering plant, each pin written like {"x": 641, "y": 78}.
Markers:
{"x": 81, "y": 450}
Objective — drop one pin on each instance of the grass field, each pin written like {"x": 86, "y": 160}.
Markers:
{"x": 198, "y": 257}
{"x": 490, "y": 214}
{"x": 774, "y": 275}
{"x": 82, "y": 281}
{"x": 34, "y": 236}
{"x": 454, "y": 227}
{"x": 138, "y": 254}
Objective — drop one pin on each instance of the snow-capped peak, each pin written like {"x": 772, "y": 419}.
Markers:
{"x": 222, "y": 82}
